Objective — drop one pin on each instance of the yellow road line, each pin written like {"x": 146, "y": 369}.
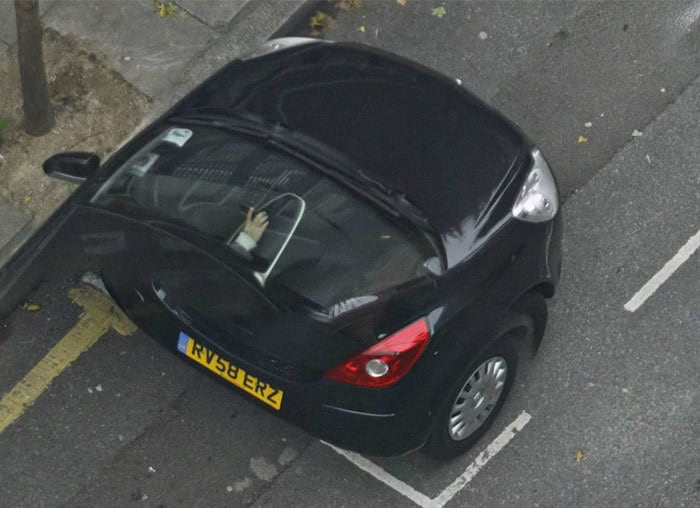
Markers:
{"x": 100, "y": 314}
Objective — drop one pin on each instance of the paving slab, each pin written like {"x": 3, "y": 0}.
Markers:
{"x": 149, "y": 51}
{"x": 264, "y": 18}
{"x": 215, "y": 13}
{"x": 8, "y": 24}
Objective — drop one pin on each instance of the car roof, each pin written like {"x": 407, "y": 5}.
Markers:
{"x": 410, "y": 129}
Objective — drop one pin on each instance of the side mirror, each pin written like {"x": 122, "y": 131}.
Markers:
{"x": 74, "y": 167}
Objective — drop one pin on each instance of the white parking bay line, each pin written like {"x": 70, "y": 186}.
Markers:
{"x": 479, "y": 462}
{"x": 662, "y": 275}
{"x": 386, "y": 478}
{"x": 457, "y": 485}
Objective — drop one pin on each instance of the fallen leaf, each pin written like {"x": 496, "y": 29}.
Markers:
{"x": 361, "y": 29}
{"x": 580, "y": 455}
{"x": 637, "y": 134}
{"x": 346, "y": 5}
{"x": 439, "y": 12}
{"x": 32, "y": 307}
{"x": 320, "y": 23}
{"x": 582, "y": 139}
{"x": 165, "y": 8}
{"x": 401, "y": 2}
{"x": 26, "y": 199}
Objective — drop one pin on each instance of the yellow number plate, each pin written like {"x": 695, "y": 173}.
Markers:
{"x": 225, "y": 369}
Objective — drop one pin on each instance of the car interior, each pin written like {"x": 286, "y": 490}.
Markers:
{"x": 342, "y": 248}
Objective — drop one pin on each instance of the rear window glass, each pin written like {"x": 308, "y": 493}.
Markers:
{"x": 322, "y": 241}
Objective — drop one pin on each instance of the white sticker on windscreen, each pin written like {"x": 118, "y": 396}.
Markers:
{"x": 178, "y": 136}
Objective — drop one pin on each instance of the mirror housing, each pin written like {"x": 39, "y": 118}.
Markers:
{"x": 74, "y": 167}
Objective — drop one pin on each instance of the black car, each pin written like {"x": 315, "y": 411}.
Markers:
{"x": 357, "y": 243}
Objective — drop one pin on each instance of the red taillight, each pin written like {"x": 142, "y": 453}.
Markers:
{"x": 387, "y": 361}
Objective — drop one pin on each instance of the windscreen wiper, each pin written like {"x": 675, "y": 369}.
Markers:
{"x": 234, "y": 123}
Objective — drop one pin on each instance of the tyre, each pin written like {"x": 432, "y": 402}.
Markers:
{"x": 477, "y": 396}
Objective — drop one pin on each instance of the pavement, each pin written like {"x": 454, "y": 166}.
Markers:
{"x": 608, "y": 410}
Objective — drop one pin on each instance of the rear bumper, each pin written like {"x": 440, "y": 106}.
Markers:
{"x": 368, "y": 433}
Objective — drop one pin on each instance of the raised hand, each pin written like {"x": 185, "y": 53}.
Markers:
{"x": 255, "y": 225}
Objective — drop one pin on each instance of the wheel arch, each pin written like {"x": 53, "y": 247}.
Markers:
{"x": 525, "y": 319}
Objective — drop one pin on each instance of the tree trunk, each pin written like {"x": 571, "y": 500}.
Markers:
{"x": 38, "y": 114}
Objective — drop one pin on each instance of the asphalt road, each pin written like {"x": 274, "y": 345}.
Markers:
{"x": 612, "y": 397}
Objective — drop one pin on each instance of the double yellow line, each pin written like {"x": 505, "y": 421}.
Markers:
{"x": 100, "y": 314}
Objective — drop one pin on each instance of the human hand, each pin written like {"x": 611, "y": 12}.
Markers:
{"x": 255, "y": 225}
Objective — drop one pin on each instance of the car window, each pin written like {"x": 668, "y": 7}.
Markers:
{"x": 332, "y": 245}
